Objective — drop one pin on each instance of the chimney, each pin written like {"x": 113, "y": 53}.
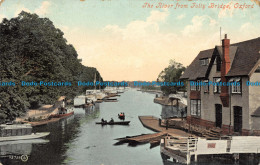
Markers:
{"x": 225, "y": 66}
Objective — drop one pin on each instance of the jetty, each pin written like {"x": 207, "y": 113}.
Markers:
{"x": 152, "y": 123}
{"x": 184, "y": 149}
{"x": 141, "y": 139}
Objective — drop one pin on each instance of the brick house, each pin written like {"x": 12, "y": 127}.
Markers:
{"x": 235, "y": 108}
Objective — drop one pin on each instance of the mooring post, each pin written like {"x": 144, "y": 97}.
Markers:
{"x": 188, "y": 158}
{"x": 188, "y": 151}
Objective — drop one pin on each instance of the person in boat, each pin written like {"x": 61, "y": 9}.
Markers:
{"x": 111, "y": 121}
{"x": 102, "y": 120}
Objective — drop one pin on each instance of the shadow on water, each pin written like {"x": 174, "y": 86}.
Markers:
{"x": 52, "y": 149}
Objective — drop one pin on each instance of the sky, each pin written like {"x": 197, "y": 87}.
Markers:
{"x": 126, "y": 41}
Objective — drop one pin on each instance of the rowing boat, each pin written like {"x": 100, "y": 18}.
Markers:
{"x": 114, "y": 123}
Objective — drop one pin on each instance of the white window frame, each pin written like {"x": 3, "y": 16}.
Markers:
{"x": 235, "y": 88}
{"x": 217, "y": 88}
{"x": 206, "y": 87}
{"x": 195, "y": 87}
{"x": 195, "y": 107}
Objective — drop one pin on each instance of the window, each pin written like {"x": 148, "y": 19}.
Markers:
{"x": 195, "y": 107}
{"x": 204, "y": 61}
{"x": 206, "y": 86}
{"x": 198, "y": 85}
{"x": 216, "y": 85}
{"x": 218, "y": 62}
{"x": 236, "y": 85}
{"x": 195, "y": 85}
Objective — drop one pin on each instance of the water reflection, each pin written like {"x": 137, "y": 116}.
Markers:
{"x": 78, "y": 140}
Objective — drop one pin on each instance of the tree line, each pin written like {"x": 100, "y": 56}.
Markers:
{"x": 33, "y": 49}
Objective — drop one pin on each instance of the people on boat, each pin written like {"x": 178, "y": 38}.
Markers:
{"x": 121, "y": 116}
{"x": 102, "y": 120}
{"x": 111, "y": 121}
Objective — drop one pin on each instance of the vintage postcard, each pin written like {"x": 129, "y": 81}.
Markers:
{"x": 129, "y": 82}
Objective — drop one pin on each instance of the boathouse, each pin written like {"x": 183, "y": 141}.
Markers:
{"x": 235, "y": 106}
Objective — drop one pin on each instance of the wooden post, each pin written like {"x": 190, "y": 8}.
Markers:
{"x": 196, "y": 157}
{"x": 188, "y": 151}
{"x": 188, "y": 158}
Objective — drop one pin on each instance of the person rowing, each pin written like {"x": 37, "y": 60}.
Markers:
{"x": 111, "y": 121}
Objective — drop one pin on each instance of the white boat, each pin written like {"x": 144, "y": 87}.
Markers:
{"x": 90, "y": 96}
{"x": 19, "y": 132}
{"x": 120, "y": 90}
{"x": 25, "y": 137}
{"x": 100, "y": 95}
{"x": 111, "y": 90}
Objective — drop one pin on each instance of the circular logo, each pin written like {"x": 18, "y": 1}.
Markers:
{"x": 24, "y": 158}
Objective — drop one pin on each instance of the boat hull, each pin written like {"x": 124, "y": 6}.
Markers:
{"x": 114, "y": 123}
{"x": 25, "y": 137}
{"x": 62, "y": 115}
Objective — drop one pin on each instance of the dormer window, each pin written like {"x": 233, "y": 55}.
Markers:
{"x": 204, "y": 61}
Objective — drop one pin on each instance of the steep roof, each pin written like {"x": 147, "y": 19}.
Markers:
{"x": 243, "y": 56}
{"x": 195, "y": 70}
{"x": 247, "y": 56}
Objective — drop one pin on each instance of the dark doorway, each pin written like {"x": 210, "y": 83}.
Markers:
{"x": 218, "y": 109}
{"x": 237, "y": 119}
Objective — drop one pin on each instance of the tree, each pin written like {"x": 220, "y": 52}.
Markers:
{"x": 171, "y": 74}
{"x": 32, "y": 49}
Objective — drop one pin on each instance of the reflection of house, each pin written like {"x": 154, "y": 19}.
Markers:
{"x": 235, "y": 109}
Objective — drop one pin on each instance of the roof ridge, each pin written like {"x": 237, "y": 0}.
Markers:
{"x": 249, "y": 40}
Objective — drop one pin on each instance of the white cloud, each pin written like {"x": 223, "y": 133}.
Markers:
{"x": 20, "y": 9}
{"x": 2, "y": 16}
{"x": 157, "y": 16}
{"x": 249, "y": 30}
{"x": 43, "y": 9}
{"x": 179, "y": 17}
{"x": 199, "y": 23}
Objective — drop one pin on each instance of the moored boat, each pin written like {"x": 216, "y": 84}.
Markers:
{"x": 19, "y": 132}
{"x": 114, "y": 123}
{"x": 62, "y": 115}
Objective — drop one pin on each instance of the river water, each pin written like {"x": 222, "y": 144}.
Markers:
{"x": 77, "y": 140}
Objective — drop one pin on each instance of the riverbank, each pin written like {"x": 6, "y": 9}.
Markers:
{"x": 48, "y": 121}
{"x": 44, "y": 115}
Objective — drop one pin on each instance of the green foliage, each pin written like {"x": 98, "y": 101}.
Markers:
{"x": 171, "y": 74}
{"x": 32, "y": 49}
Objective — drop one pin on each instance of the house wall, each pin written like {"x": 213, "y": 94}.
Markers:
{"x": 254, "y": 101}
{"x": 208, "y": 101}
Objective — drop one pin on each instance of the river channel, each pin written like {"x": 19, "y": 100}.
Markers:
{"x": 77, "y": 140}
